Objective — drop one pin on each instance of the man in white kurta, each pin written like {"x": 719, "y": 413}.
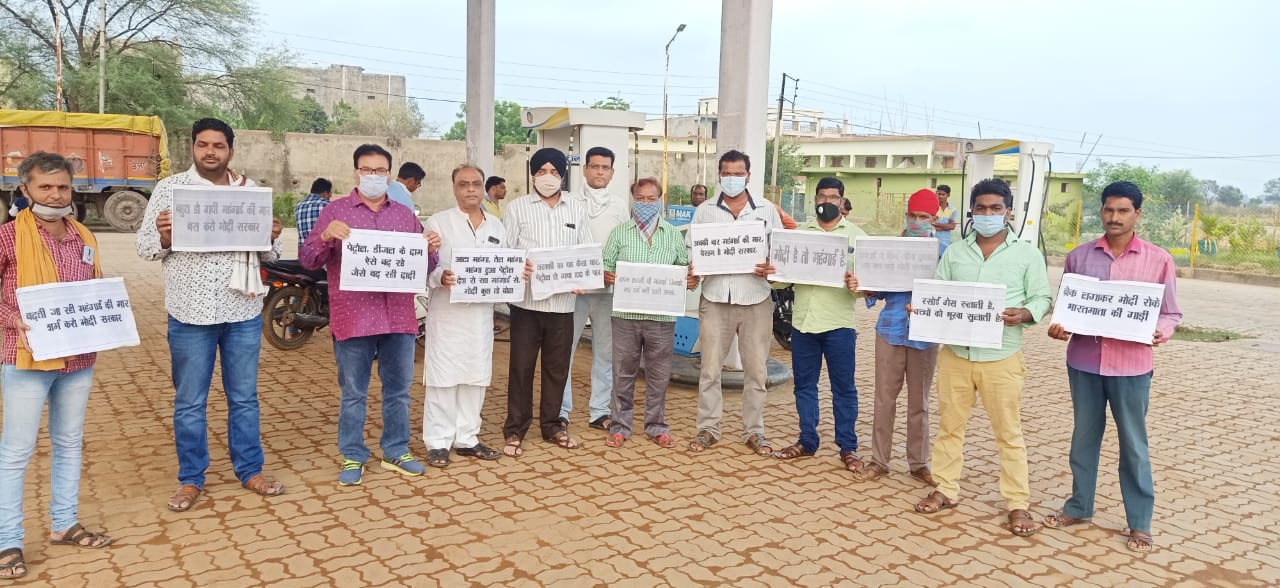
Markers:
{"x": 459, "y": 356}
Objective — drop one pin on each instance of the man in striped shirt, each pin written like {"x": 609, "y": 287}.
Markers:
{"x": 1105, "y": 371}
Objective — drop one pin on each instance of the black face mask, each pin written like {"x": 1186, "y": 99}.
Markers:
{"x": 828, "y": 212}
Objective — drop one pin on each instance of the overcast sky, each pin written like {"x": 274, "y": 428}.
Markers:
{"x": 1158, "y": 80}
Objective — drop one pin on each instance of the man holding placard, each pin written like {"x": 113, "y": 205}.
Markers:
{"x": 542, "y": 219}
{"x": 991, "y": 254}
{"x": 822, "y": 326}
{"x": 369, "y": 323}
{"x": 644, "y": 241}
{"x": 44, "y": 245}
{"x": 734, "y": 304}
{"x": 1105, "y": 371}
{"x": 604, "y": 213}
{"x": 214, "y": 301}
{"x": 459, "y": 359}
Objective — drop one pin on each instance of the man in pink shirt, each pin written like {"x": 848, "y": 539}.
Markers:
{"x": 1106, "y": 371}
{"x": 369, "y": 325}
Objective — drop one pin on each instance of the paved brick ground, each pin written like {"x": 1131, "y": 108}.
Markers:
{"x": 644, "y": 516}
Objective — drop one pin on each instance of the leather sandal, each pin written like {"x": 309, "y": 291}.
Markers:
{"x": 184, "y": 498}
{"x": 264, "y": 486}
{"x": 76, "y": 536}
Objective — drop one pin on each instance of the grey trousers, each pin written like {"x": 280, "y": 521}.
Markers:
{"x": 654, "y": 340}
{"x": 894, "y": 364}
{"x": 717, "y": 324}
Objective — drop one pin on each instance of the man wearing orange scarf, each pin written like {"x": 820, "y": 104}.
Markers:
{"x": 43, "y": 245}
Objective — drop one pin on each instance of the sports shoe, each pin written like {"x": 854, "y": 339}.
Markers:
{"x": 405, "y": 464}
{"x": 352, "y": 473}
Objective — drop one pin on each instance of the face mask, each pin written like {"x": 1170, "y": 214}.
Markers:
{"x": 49, "y": 213}
{"x": 373, "y": 186}
{"x": 546, "y": 186}
{"x": 827, "y": 212}
{"x": 731, "y": 186}
{"x": 919, "y": 228}
{"x": 645, "y": 211}
{"x": 988, "y": 224}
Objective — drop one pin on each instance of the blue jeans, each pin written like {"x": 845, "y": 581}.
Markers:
{"x": 807, "y": 351}
{"x": 1128, "y": 397}
{"x": 600, "y": 308}
{"x": 193, "y": 349}
{"x": 395, "y": 353}
{"x": 25, "y": 393}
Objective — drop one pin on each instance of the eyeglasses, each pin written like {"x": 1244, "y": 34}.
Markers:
{"x": 373, "y": 171}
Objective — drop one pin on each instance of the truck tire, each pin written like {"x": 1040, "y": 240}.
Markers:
{"x": 124, "y": 210}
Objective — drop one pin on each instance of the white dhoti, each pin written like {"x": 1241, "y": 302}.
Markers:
{"x": 451, "y": 416}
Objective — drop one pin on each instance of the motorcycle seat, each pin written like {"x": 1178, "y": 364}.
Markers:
{"x": 292, "y": 266}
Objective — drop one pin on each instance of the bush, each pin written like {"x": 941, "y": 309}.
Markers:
{"x": 282, "y": 208}
{"x": 1247, "y": 236}
{"x": 677, "y": 195}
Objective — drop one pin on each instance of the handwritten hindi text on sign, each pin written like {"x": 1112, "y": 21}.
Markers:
{"x": 649, "y": 288}
{"x": 957, "y": 313}
{"x": 892, "y": 264}
{"x": 71, "y": 318}
{"x": 487, "y": 275}
{"x": 221, "y": 218}
{"x": 1115, "y": 309}
{"x": 384, "y": 261}
{"x": 565, "y": 269}
{"x": 809, "y": 257}
{"x": 727, "y": 248}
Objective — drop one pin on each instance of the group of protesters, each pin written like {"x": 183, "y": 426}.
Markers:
{"x": 214, "y": 310}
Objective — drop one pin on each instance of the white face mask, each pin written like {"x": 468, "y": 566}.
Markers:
{"x": 546, "y": 185}
{"x": 373, "y": 186}
{"x": 49, "y": 213}
{"x": 731, "y": 186}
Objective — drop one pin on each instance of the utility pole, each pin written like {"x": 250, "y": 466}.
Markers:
{"x": 666, "y": 69}
{"x": 57, "y": 55}
{"x": 777, "y": 133}
{"x": 102, "y": 57}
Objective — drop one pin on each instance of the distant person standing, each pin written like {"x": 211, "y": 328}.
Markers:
{"x": 408, "y": 180}
{"x": 946, "y": 220}
{"x": 697, "y": 194}
{"x": 307, "y": 211}
{"x": 495, "y": 189}
{"x": 846, "y": 207}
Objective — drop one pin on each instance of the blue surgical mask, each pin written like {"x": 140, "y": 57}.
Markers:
{"x": 731, "y": 186}
{"x": 988, "y": 225}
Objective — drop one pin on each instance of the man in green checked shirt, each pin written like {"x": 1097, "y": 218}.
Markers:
{"x": 646, "y": 239}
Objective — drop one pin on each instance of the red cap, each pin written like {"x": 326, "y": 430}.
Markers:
{"x": 924, "y": 200}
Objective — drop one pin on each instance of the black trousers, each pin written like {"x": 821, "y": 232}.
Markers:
{"x": 550, "y": 333}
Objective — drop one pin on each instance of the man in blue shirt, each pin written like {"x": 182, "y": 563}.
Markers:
{"x": 307, "y": 211}
{"x": 408, "y": 180}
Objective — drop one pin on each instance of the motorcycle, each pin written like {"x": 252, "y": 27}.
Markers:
{"x": 782, "y": 302}
{"x": 297, "y": 305}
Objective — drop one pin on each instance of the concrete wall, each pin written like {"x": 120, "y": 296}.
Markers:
{"x": 347, "y": 83}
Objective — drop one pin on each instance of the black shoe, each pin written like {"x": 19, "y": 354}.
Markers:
{"x": 601, "y": 423}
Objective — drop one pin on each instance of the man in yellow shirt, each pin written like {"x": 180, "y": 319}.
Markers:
{"x": 495, "y": 189}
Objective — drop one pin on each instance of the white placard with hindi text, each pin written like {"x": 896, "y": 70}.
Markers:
{"x": 384, "y": 261}
{"x": 565, "y": 269}
{"x": 808, "y": 257}
{"x": 957, "y": 313}
{"x": 892, "y": 264}
{"x": 727, "y": 248}
{"x": 71, "y": 318}
{"x": 1115, "y": 309}
{"x": 221, "y": 218}
{"x": 650, "y": 288}
{"x": 487, "y": 275}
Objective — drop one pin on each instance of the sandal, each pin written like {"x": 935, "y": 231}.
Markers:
{"x": 264, "y": 486}
{"x": 76, "y": 536}
{"x": 759, "y": 445}
{"x": 1139, "y": 542}
{"x": 1021, "y": 523}
{"x": 1061, "y": 519}
{"x": 512, "y": 448}
{"x": 792, "y": 452}
{"x": 935, "y": 502}
{"x": 12, "y": 566}
{"x": 437, "y": 458}
{"x": 615, "y": 440}
{"x": 480, "y": 451}
{"x": 601, "y": 423}
{"x": 870, "y": 472}
{"x": 663, "y": 440}
{"x": 924, "y": 475}
{"x": 562, "y": 439}
{"x": 703, "y": 440}
{"x": 184, "y": 498}
{"x": 851, "y": 461}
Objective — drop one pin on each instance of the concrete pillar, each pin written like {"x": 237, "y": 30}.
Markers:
{"x": 889, "y": 161}
{"x": 480, "y": 76}
{"x": 744, "y": 84}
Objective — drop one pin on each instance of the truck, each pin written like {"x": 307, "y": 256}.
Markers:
{"x": 117, "y": 159}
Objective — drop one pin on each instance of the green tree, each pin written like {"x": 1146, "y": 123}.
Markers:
{"x": 343, "y": 115}
{"x": 789, "y": 163}
{"x": 1230, "y": 196}
{"x": 1105, "y": 173}
{"x": 1271, "y": 190}
{"x": 507, "y": 129}
{"x": 312, "y": 117}
{"x": 384, "y": 120}
{"x": 1178, "y": 187}
{"x": 612, "y": 103}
